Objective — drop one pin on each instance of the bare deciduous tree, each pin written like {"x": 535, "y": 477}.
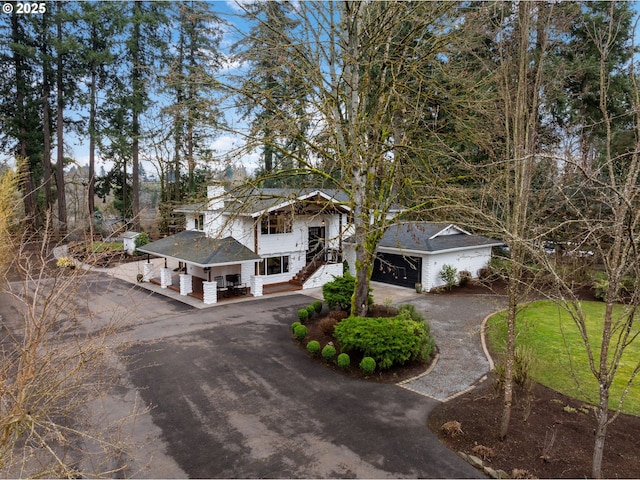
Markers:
{"x": 54, "y": 364}
{"x": 609, "y": 227}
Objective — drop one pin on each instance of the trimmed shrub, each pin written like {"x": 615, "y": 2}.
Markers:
{"x": 311, "y": 310}
{"x": 600, "y": 287}
{"x": 337, "y": 294}
{"x": 328, "y": 352}
{"x": 300, "y": 332}
{"x": 344, "y": 360}
{"x": 317, "y": 306}
{"x": 448, "y": 275}
{"x": 389, "y": 341}
{"x": 294, "y": 325}
{"x": 368, "y": 365}
{"x": 313, "y": 347}
{"x": 303, "y": 315}
{"x": 327, "y": 324}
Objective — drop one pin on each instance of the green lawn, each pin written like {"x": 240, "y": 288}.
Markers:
{"x": 561, "y": 359}
{"x": 100, "y": 247}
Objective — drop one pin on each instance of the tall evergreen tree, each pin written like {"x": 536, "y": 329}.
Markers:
{"x": 190, "y": 81}
{"x": 23, "y": 120}
{"x": 274, "y": 94}
{"x": 145, "y": 34}
{"x": 100, "y": 25}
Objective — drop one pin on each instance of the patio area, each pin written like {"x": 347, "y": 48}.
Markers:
{"x": 130, "y": 272}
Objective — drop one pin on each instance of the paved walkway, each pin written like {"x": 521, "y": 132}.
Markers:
{"x": 456, "y": 324}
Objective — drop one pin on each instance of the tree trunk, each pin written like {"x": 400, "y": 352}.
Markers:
{"x": 507, "y": 400}
{"x": 92, "y": 150}
{"x": 601, "y": 434}
{"x": 46, "y": 131}
{"x": 24, "y": 167}
{"x": 135, "y": 114}
{"x": 60, "y": 184}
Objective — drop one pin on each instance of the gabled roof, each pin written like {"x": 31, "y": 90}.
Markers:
{"x": 192, "y": 208}
{"x": 431, "y": 238}
{"x": 268, "y": 200}
{"x": 195, "y": 247}
{"x": 129, "y": 235}
{"x": 257, "y": 201}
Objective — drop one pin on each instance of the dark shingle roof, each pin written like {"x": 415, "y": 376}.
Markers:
{"x": 417, "y": 236}
{"x": 257, "y": 200}
{"x": 195, "y": 247}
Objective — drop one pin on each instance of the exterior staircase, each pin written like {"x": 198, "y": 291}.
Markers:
{"x": 308, "y": 270}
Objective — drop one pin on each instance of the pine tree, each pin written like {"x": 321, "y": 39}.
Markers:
{"x": 277, "y": 93}
{"x": 190, "y": 81}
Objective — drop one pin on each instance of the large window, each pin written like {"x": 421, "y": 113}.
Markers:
{"x": 273, "y": 223}
{"x": 199, "y": 221}
{"x": 273, "y": 265}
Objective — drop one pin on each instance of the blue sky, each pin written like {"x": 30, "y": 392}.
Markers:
{"x": 229, "y": 10}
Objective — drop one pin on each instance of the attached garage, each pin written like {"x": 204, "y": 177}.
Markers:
{"x": 415, "y": 252}
{"x": 397, "y": 270}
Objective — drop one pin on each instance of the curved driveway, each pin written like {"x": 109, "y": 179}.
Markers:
{"x": 232, "y": 397}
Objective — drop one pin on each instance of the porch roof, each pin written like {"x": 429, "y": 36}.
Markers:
{"x": 196, "y": 248}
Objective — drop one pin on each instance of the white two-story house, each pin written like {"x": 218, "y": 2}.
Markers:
{"x": 260, "y": 240}
{"x": 241, "y": 242}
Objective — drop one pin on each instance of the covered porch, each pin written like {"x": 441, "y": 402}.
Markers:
{"x": 201, "y": 267}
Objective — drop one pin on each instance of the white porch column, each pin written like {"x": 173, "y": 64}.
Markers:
{"x": 256, "y": 285}
{"x": 210, "y": 292}
{"x": 147, "y": 272}
{"x": 165, "y": 277}
{"x": 186, "y": 284}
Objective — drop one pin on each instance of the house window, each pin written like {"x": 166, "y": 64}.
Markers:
{"x": 199, "y": 221}
{"x": 274, "y": 223}
{"x": 274, "y": 265}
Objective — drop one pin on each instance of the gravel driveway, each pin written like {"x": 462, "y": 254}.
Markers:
{"x": 455, "y": 322}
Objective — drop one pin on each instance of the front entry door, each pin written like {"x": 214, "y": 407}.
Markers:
{"x": 316, "y": 242}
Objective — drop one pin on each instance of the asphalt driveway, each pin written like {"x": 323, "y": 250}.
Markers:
{"x": 231, "y": 396}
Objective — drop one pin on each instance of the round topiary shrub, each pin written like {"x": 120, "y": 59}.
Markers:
{"x": 344, "y": 360}
{"x": 303, "y": 315}
{"x": 311, "y": 310}
{"x": 368, "y": 365}
{"x": 294, "y": 325}
{"x": 300, "y": 332}
{"x": 317, "y": 305}
{"x": 328, "y": 352}
{"x": 313, "y": 347}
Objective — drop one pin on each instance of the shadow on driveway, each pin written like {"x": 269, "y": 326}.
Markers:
{"x": 236, "y": 398}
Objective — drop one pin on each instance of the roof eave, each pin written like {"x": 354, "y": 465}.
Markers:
{"x": 202, "y": 265}
{"x": 435, "y": 252}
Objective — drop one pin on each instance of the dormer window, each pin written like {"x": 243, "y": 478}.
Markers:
{"x": 199, "y": 222}
{"x": 274, "y": 223}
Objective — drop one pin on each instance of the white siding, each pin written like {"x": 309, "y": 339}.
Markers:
{"x": 297, "y": 260}
{"x": 349, "y": 255}
{"x": 471, "y": 260}
{"x": 326, "y": 273}
{"x": 277, "y": 244}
